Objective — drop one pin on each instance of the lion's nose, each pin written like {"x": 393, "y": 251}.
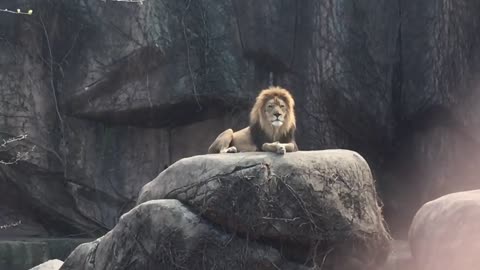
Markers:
{"x": 277, "y": 114}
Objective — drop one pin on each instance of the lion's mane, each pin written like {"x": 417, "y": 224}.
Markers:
{"x": 262, "y": 130}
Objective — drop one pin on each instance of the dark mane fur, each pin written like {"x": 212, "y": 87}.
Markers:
{"x": 259, "y": 137}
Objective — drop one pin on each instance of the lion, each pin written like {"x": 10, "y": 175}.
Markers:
{"x": 271, "y": 129}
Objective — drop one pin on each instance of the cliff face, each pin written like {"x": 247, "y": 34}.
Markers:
{"x": 111, "y": 93}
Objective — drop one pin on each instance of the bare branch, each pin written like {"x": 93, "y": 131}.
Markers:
{"x": 14, "y": 139}
{"x": 52, "y": 84}
{"x": 10, "y": 225}
{"x": 19, "y": 156}
{"x": 19, "y": 12}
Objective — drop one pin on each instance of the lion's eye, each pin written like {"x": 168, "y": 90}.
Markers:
{"x": 270, "y": 106}
{"x": 282, "y": 106}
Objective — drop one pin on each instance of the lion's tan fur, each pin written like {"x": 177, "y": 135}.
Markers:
{"x": 244, "y": 139}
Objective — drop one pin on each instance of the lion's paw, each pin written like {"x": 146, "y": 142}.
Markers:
{"x": 232, "y": 149}
{"x": 281, "y": 150}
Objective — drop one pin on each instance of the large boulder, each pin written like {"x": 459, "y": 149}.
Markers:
{"x": 444, "y": 233}
{"x": 164, "y": 234}
{"x": 49, "y": 265}
{"x": 319, "y": 205}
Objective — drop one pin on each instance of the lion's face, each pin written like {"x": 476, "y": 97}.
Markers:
{"x": 275, "y": 111}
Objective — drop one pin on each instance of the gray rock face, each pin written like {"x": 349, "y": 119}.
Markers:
{"x": 48, "y": 265}
{"x": 25, "y": 253}
{"x": 106, "y": 117}
{"x": 156, "y": 69}
{"x": 108, "y": 90}
{"x": 301, "y": 198}
{"x": 164, "y": 234}
{"x": 400, "y": 257}
{"x": 444, "y": 233}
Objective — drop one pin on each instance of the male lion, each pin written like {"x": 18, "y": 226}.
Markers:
{"x": 272, "y": 126}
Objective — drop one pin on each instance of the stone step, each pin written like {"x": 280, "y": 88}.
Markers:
{"x": 23, "y": 254}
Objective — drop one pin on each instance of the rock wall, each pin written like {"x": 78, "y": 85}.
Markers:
{"x": 110, "y": 92}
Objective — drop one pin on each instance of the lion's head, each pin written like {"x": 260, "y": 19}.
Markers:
{"x": 274, "y": 112}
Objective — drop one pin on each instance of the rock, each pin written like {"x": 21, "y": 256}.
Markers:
{"x": 437, "y": 150}
{"x": 21, "y": 254}
{"x": 165, "y": 73}
{"x": 400, "y": 257}
{"x": 264, "y": 43}
{"x": 164, "y": 234}
{"x": 15, "y": 216}
{"x": 86, "y": 172}
{"x": 47, "y": 192}
{"x": 444, "y": 233}
{"x": 49, "y": 265}
{"x": 107, "y": 89}
{"x": 308, "y": 202}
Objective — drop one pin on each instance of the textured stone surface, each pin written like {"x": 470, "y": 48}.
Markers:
{"x": 17, "y": 255}
{"x": 106, "y": 90}
{"x": 21, "y": 254}
{"x": 444, "y": 233}
{"x": 49, "y": 265}
{"x": 400, "y": 257}
{"x": 160, "y": 66}
{"x": 325, "y": 197}
{"x": 164, "y": 234}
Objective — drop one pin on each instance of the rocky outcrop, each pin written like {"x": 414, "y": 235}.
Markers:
{"x": 249, "y": 211}
{"x": 444, "y": 233}
{"x": 106, "y": 90}
{"x": 164, "y": 234}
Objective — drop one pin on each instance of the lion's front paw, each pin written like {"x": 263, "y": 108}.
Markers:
{"x": 281, "y": 149}
{"x": 232, "y": 149}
